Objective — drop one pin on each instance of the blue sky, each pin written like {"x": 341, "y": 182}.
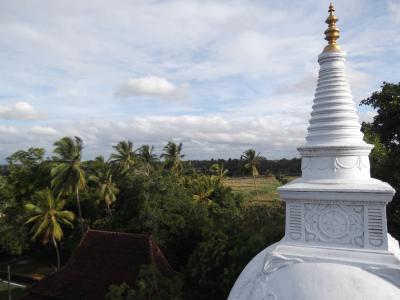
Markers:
{"x": 220, "y": 76}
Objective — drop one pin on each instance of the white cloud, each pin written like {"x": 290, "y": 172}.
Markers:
{"x": 202, "y": 136}
{"x": 43, "y": 130}
{"x": 251, "y": 50}
{"x": 242, "y": 59}
{"x": 7, "y": 129}
{"x": 394, "y": 10}
{"x": 271, "y": 137}
{"x": 9, "y": 135}
{"x": 20, "y": 111}
{"x": 152, "y": 86}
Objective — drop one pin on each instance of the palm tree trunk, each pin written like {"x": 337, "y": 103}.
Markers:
{"x": 109, "y": 211}
{"x": 79, "y": 210}
{"x": 58, "y": 254}
{"x": 255, "y": 187}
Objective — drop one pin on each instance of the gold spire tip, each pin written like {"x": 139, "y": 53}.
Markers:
{"x": 333, "y": 32}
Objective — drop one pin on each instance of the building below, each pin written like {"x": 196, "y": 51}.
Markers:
{"x": 336, "y": 244}
{"x": 102, "y": 258}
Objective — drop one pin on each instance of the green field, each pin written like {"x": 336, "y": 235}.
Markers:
{"x": 266, "y": 187}
{"x": 16, "y": 292}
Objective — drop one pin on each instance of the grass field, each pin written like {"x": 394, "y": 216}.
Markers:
{"x": 266, "y": 187}
{"x": 16, "y": 292}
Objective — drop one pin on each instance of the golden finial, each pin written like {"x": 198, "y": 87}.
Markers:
{"x": 332, "y": 33}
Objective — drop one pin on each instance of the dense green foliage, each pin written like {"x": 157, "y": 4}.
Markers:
{"x": 207, "y": 232}
{"x": 150, "y": 285}
{"x": 384, "y": 133}
{"x": 27, "y": 172}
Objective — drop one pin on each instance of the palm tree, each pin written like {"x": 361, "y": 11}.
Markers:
{"x": 47, "y": 216}
{"x": 203, "y": 188}
{"x": 251, "y": 160}
{"x": 103, "y": 180}
{"x": 124, "y": 159}
{"x": 147, "y": 157}
{"x": 172, "y": 157}
{"x": 68, "y": 177}
{"x": 219, "y": 174}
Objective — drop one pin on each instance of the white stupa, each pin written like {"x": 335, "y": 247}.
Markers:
{"x": 336, "y": 244}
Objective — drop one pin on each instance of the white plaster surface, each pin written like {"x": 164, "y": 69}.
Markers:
{"x": 316, "y": 281}
{"x": 334, "y": 120}
{"x": 336, "y": 203}
{"x": 336, "y": 244}
{"x": 283, "y": 271}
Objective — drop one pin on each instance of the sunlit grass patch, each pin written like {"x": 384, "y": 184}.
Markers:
{"x": 266, "y": 187}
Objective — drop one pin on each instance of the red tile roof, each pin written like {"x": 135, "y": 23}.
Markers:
{"x": 101, "y": 259}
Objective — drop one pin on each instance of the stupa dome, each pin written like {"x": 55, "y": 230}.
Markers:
{"x": 272, "y": 275}
{"x": 316, "y": 281}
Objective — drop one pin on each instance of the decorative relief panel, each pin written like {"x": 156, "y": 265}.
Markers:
{"x": 334, "y": 224}
{"x": 348, "y": 162}
{"x": 335, "y": 164}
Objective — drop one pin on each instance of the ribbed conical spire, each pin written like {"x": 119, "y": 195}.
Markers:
{"x": 334, "y": 119}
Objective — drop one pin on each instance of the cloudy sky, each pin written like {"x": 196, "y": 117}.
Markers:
{"x": 219, "y": 76}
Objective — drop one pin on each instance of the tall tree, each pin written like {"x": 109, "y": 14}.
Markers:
{"x": 47, "y": 216}
{"x": 173, "y": 157}
{"x": 147, "y": 158}
{"x": 384, "y": 133}
{"x": 125, "y": 158}
{"x": 251, "y": 161}
{"x": 386, "y": 123}
{"x": 219, "y": 173}
{"x": 31, "y": 157}
{"x": 68, "y": 176}
{"x": 203, "y": 188}
{"x": 104, "y": 181}
{"x": 26, "y": 172}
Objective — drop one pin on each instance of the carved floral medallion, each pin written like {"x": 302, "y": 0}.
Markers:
{"x": 334, "y": 224}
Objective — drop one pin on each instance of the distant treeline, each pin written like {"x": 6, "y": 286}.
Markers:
{"x": 235, "y": 167}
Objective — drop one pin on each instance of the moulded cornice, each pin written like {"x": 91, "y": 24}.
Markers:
{"x": 333, "y": 150}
